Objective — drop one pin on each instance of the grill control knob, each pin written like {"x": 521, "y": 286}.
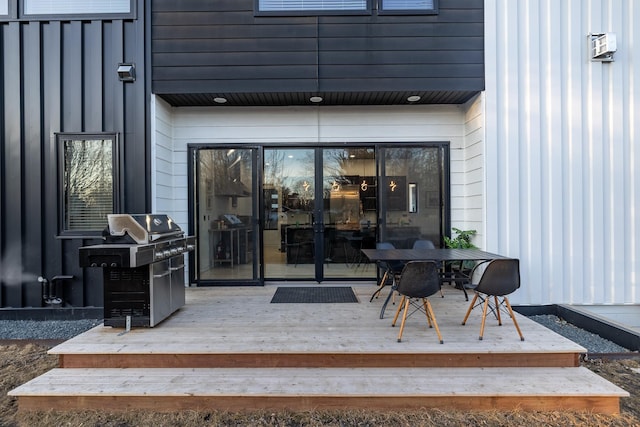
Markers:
{"x": 104, "y": 264}
{"x": 113, "y": 264}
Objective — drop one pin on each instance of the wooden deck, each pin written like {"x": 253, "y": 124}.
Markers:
{"x": 231, "y": 349}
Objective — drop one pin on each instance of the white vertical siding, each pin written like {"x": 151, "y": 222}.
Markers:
{"x": 561, "y": 182}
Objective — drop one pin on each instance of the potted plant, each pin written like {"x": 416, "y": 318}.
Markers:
{"x": 462, "y": 240}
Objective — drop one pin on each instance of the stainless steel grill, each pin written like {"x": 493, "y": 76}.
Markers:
{"x": 143, "y": 268}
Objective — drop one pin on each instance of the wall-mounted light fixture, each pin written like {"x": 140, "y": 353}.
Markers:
{"x": 127, "y": 72}
{"x": 602, "y": 46}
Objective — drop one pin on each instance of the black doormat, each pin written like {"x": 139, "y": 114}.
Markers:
{"x": 304, "y": 295}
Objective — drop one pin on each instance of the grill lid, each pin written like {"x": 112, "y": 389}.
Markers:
{"x": 142, "y": 228}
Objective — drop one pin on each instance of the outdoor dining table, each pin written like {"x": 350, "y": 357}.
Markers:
{"x": 437, "y": 255}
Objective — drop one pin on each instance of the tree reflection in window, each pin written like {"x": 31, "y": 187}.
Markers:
{"x": 88, "y": 183}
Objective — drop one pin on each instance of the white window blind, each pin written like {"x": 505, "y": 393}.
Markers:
{"x": 407, "y": 4}
{"x": 88, "y": 183}
{"x": 301, "y": 5}
{"x": 76, "y": 7}
{"x": 4, "y": 7}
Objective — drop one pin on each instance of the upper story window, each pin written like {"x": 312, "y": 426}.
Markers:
{"x": 311, "y": 5}
{"x": 77, "y": 8}
{"x": 407, "y": 6}
{"x": 346, "y": 6}
{"x": 88, "y": 181}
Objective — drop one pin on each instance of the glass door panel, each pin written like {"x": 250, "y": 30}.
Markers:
{"x": 349, "y": 210}
{"x": 225, "y": 214}
{"x": 412, "y": 192}
{"x": 289, "y": 236}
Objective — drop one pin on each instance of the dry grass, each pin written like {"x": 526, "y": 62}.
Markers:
{"x": 20, "y": 363}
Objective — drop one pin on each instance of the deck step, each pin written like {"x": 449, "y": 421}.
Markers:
{"x": 301, "y": 389}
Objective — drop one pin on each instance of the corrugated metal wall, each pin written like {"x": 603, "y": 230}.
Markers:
{"x": 561, "y": 148}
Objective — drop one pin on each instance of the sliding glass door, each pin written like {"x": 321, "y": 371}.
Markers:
{"x": 304, "y": 214}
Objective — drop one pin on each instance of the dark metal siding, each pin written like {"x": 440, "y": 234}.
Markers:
{"x": 60, "y": 76}
{"x": 222, "y": 48}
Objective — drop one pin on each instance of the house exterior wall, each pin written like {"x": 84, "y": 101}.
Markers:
{"x": 59, "y": 75}
{"x": 561, "y": 176}
{"x": 304, "y": 126}
{"x": 224, "y": 47}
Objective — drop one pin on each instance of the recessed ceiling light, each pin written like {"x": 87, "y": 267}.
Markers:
{"x": 315, "y": 99}
{"x": 413, "y": 98}
{"x": 220, "y": 100}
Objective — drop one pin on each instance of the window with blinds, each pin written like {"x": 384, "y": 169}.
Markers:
{"x": 311, "y": 5}
{"x": 4, "y": 7}
{"x": 87, "y": 181}
{"x": 76, "y": 7}
{"x": 422, "y": 5}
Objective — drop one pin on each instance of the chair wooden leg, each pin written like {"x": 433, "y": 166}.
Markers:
{"x": 497, "y": 303}
{"x": 515, "y": 322}
{"x": 404, "y": 317}
{"x": 426, "y": 311}
{"x": 432, "y": 317}
{"x": 484, "y": 316}
{"x": 395, "y": 318}
{"x": 473, "y": 301}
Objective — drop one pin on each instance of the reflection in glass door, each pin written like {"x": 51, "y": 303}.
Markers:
{"x": 349, "y": 210}
{"x": 289, "y": 245}
{"x": 413, "y": 195}
{"x": 224, "y": 215}
{"x": 319, "y": 209}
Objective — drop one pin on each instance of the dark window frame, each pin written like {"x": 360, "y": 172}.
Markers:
{"x": 371, "y": 7}
{"x": 311, "y": 12}
{"x": 383, "y": 11}
{"x": 60, "y": 139}
{"x": 132, "y": 14}
{"x": 11, "y": 10}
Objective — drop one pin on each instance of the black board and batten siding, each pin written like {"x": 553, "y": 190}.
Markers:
{"x": 60, "y": 76}
{"x": 222, "y": 48}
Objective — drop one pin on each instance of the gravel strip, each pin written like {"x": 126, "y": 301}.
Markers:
{"x": 592, "y": 342}
{"x": 44, "y": 329}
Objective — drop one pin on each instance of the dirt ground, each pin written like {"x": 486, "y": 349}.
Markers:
{"x": 20, "y": 363}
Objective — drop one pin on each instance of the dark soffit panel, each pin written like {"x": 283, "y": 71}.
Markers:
{"x": 328, "y": 98}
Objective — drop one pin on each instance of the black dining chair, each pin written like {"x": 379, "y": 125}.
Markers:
{"x": 423, "y": 244}
{"x": 500, "y": 278}
{"x": 392, "y": 269}
{"x": 418, "y": 281}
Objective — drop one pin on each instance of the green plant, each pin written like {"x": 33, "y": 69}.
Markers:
{"x": 462, "y": 240}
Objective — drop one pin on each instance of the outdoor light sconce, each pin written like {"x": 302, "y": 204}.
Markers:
{"x": 413, "y": 197}
{"x": 602, "y": 46}
{"x": 126, "y": 72}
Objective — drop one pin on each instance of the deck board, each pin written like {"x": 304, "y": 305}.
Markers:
{"x": 422, "y": 386}
{"x": 230, "y": 348}
{"x": 236, "y": 320}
